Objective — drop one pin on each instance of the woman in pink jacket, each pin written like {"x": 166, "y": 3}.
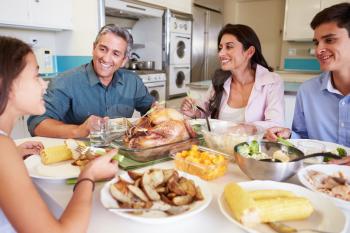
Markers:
{"x": 245, "y": 89}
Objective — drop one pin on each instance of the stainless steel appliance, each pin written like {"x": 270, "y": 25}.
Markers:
{"x": 206, "y": 27}
{"x": 177, "y": 46}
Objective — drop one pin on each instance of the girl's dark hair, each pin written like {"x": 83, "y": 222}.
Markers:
{"x": 247, "y": 37}
{"x": 12, "y": 62}
{"x": 339, "y": 13}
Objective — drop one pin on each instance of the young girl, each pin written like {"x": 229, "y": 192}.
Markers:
{"x": 21, "y": 93}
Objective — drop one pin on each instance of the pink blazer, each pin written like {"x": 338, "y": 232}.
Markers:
{"x": 266, "y": 102}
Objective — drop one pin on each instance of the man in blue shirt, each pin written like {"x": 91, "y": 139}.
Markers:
{"x": 322, "y": 109}
{"x": 80, "y": 96}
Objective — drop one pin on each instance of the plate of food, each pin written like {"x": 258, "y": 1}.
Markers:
{"x": 156, "y": 196}
{"x": 60, "y": 161}
{"x": 55, "y": 171}
{"x": 252, "y": 205}
{"x": 309, "y": 146}
{"x": 333, "y": 181}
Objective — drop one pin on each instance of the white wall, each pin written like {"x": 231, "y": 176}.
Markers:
{"x": 266, "y": 19}
{"x": 79, "y": 41}
{"x": 229, "y": 9}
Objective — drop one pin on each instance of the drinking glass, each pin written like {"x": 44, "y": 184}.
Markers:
{"x": 99, "y": 132}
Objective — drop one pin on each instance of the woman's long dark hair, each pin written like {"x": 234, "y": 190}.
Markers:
{"x": 12, "y": 62}
{"x": 247, "y": 37}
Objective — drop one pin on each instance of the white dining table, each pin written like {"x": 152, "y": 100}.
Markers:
{"x": 57, "y": 195}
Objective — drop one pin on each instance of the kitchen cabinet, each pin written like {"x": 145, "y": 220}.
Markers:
{"x": 298, "y": 15}
{"x": 184, "y": 6}
{"x": 36, "y": 14}
{"x": 20, "y": 130}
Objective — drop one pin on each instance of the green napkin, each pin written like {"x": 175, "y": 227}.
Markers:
{"x": 128, "y": 164}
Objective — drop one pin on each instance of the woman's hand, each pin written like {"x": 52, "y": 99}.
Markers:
{"x": 273, "y": 133}
{"x": 29, "y": 148}
{"x": 101, "y": 168}
{"x": 188, "y": 109}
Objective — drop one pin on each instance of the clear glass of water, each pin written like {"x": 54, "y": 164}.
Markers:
{"x": 99, "y": 133}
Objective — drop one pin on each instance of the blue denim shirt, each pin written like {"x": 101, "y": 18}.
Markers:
{"x": 76, "y": 94}
{"x": 322, "y": 112}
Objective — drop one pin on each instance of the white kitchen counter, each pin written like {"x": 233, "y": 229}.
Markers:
{"x": 57, "y": 195}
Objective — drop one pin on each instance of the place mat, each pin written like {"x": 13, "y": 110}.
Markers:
{"x": 128, "y": 164}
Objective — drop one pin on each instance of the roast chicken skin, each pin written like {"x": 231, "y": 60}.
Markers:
{"x": 162, "y": 126}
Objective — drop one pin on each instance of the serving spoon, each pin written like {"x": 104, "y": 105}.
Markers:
{"x": 323, "y": 154}
{"x": 206, "y": 116}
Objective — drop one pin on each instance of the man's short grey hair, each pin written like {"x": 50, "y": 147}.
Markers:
{"x": 120, "y": 32}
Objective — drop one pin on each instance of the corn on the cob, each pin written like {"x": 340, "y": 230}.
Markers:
{"x": 55, "y": 154}
{"x": 241, "y": 204}
{"x": 284, "y": 209}
{"x": 260, "y": 206}
{"x": 270, "y": 193}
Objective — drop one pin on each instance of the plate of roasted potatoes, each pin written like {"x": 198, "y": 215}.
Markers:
{"x": 155, "y": 196}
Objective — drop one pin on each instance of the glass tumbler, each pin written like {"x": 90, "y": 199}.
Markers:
{"x": 99, "y": 133}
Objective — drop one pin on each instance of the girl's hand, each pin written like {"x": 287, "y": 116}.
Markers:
{"x": 29, "y": 148}
{"x": 101, "y": 168}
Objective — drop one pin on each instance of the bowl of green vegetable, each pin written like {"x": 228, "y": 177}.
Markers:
{"x": 248, "y": 156}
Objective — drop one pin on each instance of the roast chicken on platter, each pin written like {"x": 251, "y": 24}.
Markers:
{"x": 161, "y": 126}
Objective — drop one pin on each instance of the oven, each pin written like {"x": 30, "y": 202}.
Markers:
{"x": 156, "y": 85}
{"x": 177, "y": 45}
{"x": 180, "y": 49}
{"x": 179, "y": 77}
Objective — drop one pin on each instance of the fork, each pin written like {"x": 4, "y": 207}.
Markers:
{"x": 83, "y": 150}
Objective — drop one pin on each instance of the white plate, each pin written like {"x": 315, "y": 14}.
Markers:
{"x": 329, "y": 169}
{"x": 157, "y": 217}
{"x": 330, "y": 146}
{"x": 57, "y": 171}
{"x": 326, "y": 215}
